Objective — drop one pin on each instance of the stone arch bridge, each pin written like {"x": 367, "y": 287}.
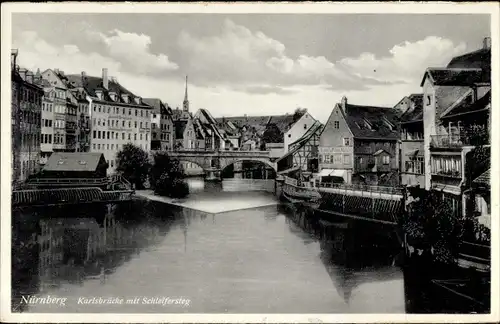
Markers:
{"x": 213, "y": 162}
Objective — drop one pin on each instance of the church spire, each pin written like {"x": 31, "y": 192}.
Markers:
{"x": 185, "y": 103}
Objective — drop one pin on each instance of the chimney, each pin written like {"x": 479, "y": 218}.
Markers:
{"x": 13, "y": 57}
{"x": 344, "y": 104}
{"x": 56, "y": 71}
{"x": 105, "y": 78}
{"x": 487, "y": 43}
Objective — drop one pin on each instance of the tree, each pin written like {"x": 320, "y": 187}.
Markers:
{"x": 167, "y": 176}
{"x": 133, "y": 164}
{"x": 432, "y": 225}
{"x": 272, "y": 134}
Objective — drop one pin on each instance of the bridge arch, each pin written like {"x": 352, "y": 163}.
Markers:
{"x": 225, "y": 162}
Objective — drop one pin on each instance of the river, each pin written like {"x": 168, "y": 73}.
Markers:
{"x": 150, "y": 257}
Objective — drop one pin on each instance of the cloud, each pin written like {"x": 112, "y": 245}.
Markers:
{"x": 246, "y": 57}
{"x": 406, "y": 62}
{"x": 34, "y": 53}
{"x": 133, "y": 50}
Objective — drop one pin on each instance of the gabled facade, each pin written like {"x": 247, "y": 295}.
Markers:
{"x": 412, "y": 167}
{"x": 303, "y": 153}
{"x": 214, "y": 139}
{"x": 298, "y": 129}
{"x": 359, "y": 145}
{"x": 162, "y": 125}
{"x": 456, "y": 114}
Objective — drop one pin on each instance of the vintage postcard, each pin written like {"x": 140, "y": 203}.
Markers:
{"x": 255, "y": 162}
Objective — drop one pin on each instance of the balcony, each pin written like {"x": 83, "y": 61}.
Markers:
{"x": 448, "y": 173}
{"x": 460, "y": 140}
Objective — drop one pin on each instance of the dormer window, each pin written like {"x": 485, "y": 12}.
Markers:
{"x": 367, "y": 124}
{"x": 388, "y": 123}
{"x": 99, "y": 94}
{"x": 112, "y": 94}
{"x": 137, "y": 100}
{"x": 125, "y": 98}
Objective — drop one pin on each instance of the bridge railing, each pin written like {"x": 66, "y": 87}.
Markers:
{"x": 360, "y": 187}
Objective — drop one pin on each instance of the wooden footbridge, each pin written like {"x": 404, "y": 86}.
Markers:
{"x": 377, "y": 204}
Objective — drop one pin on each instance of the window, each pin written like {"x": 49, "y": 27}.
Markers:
{"x": 112, "y": 163}
{"x": 123, "y": 123}
{"x": 98, "y": 146}
{"x": 305, "y": 126}
{"x": 135, "y": 124}
{"x": 428, "y": 100}
{"x": 289, "y": 135}
{"x": 154, "y": 135}
{"x": 99, "y": 134}
{"x": 135, "y": 112}
{"x": 135, "y": 137}
{"x": 130, "y": 112}
{"x": 385, "y": 159}
{"x": 153, "y": 126}
{"x": 112, "y": 146}
{"x": 347, "y": 159}
{"x": 94, "y": 134}
{"x": 129, "y": 136}
{"x": 129, "y": 124}
{"x": 347, "y": 141}
{"x": 336, "y": 124}
{"x": 123, "y": 136}
{"x": 140, "y": 125}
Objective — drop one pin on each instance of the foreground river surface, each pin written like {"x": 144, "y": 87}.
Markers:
{"x": 152, "y": 257}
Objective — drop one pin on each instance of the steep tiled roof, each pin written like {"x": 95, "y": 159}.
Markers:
{"x": 447, "y": 96}
{"x": 463, "y": 107}
{"x": 284, "y": 122}
{"x": 416, "y": 112}
{"x": 454, "y": 77}
{"x": 357, "y": 116}
{"x": 477, "y": 59}
{"x": 61, "y": 161}
{"x": 155, "y": 103}
{"x": 484, "y": 178}
{"x": 91, "y": 84}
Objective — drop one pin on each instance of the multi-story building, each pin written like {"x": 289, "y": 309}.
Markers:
{"x": 412, "y": 167}
{"x": 46, "y": 142}
{"x": 303, "y": 153}
{"x": 117, "y": 116}
{"x": 162, "y": 125}
{"x": 298, "y": 129}
{"x": 26, "y": 122}
{"x": 457, "y": 105}
{"x": 207, "y": 127}
{"x": 57, "y": 90}
{"x": 358, "y": 145}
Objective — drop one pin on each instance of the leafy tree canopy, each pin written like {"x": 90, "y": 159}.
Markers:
{"x": 133, "y": 164}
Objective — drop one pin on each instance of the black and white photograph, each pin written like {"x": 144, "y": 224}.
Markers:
{"x": 228, "y": 160}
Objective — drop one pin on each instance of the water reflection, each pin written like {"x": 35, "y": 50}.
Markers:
{"x": 254, "y": 260}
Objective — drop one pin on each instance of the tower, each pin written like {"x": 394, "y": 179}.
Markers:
{"x": 185, "y": 103}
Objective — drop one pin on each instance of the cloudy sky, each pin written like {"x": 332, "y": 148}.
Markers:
{"x": 253, "y": 64}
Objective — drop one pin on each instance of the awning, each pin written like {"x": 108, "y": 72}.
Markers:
{"x": 325, "y": 172}
{"x": 338, "y": 173}
{"x": 454, "y": 190}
